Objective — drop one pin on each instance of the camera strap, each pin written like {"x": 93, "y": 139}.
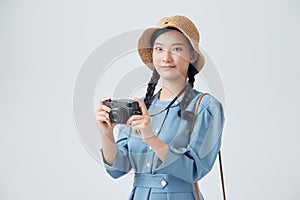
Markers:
{"x": 170, "y": 104}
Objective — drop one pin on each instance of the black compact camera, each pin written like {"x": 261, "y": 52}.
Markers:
{"x": 122, "y": 110}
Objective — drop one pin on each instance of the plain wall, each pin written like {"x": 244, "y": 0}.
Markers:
{"x": 43, "y": 45}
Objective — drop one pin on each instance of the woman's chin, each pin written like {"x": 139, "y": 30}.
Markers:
{"x": 171, "y": 76}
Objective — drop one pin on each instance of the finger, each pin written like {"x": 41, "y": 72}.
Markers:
{"x": 104, "y": 107}
{"x": 136, "y": 131}
{"x": 104, "y": 99}
{"x": 102, "y": 119}
{"x": 142, "y": 106}
{"x": 103, "y": 113}
{"x": 138, "y": 127}
{"x": 133, "y": 118}
{"x": 108, "y": 122}
{"x": 137, "y": 122}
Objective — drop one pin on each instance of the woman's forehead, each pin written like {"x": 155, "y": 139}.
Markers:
{"x": 171, "y": 38}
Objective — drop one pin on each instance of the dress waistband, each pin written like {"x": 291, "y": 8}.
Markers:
{"x": 162, "y": 183}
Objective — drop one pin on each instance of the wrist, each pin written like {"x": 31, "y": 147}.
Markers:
{"x": 148, "y": 138}
{"x": 103, "y": 129}
{"x": 106, "y": 133}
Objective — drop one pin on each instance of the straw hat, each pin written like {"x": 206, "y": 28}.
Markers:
{"x": 185, "y": 25}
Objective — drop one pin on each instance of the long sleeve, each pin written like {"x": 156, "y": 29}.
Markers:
{"x": 122, "y": 163}
{"x": 194, "y": 161}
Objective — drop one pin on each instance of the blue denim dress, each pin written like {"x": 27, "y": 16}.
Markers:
{"x": 189, "y": 158}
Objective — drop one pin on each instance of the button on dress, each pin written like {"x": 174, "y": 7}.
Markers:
{"x": 188, "y": 160}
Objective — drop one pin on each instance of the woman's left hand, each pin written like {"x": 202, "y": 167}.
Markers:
{"x": 141, "y": 124}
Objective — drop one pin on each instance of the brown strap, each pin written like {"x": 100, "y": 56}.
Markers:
{"x": 195, "y": 111}
{"x": 196, "y": 191}
{"x": 220, "y": 158}
{"x": 222, "y": 175}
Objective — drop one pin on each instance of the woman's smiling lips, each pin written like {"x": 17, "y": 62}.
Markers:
{"x": 167, "y": 67}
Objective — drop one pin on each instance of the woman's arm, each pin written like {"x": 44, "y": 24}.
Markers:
{"x": 109, "y": 147}
{"x": 106, "y": 130}
{"x": 141, "y": 125}
{"x": 158, "y": 146}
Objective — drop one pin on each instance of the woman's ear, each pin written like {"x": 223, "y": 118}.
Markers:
{"x": 194, "y": 56}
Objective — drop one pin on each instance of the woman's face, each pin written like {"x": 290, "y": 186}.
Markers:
{"x": 172, "y": 55}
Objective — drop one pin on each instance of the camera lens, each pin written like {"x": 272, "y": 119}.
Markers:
{"x": 119, "y": 116}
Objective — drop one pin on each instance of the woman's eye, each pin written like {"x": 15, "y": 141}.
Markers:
{"x": 177, "y": 49}
{"x": 158, "y": 48}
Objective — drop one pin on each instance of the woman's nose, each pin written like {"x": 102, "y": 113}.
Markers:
{"x": 167, "y": 56}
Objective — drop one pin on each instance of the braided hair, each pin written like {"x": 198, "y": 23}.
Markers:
{"x": 155, "y": 76}
{"x": 151, "y": 87}
{"x": 188, "y": 93}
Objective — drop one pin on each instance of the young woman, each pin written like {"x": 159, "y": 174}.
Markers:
{"x": 157, "y": 144}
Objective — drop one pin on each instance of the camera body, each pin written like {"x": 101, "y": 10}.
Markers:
{"x": 122, "y": 110}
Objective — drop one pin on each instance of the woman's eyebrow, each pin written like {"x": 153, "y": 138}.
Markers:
{"x": 157, "y": 43}
{"x": 174, "y": 44}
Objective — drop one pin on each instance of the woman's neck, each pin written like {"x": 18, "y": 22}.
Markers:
{"x": 170, "y": 90}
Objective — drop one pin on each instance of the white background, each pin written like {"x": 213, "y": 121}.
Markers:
{"x": 43, "y": 44}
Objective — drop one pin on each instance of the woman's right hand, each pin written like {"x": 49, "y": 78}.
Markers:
{"x": 102, "y": 118}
